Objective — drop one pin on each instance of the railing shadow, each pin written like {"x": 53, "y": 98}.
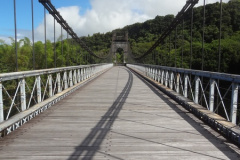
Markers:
{"x": 91, "y": 144}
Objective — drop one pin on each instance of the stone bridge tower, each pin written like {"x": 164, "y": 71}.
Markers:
{"x": 120, "y": 41}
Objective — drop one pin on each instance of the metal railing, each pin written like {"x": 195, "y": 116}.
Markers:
{"x": 218, "y": 92}
{"x": 19, "y": 91}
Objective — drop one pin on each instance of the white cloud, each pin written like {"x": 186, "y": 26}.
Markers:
{"x": 107, "y": 15}
{"x": 5, "y": 39}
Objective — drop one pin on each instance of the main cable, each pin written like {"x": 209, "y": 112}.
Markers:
{"x": 52, "y": 10}
{"x": 177, "y": 20}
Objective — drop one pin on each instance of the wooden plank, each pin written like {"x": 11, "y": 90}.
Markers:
{"x": 116, "y": 116}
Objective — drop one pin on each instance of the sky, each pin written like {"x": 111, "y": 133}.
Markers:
{"x": 86, "y": 17}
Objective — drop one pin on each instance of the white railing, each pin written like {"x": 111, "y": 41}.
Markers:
{"x": 218, "y": 92}
{"x": 19, "y": 91}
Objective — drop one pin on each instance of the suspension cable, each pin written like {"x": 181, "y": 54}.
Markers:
{"x": 15, "y": 27}
{"x": 203, "y": 32}
{"x": 52, "y": 10}
{"x": 220, "y": 37}
{"x": 178, "y": 19}
{"x": 33, "y": 41}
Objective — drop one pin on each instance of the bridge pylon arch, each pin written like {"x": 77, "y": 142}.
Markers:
{"x": 120, "y": 41}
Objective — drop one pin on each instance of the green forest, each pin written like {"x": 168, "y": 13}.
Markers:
{"x": 175, "y": 52}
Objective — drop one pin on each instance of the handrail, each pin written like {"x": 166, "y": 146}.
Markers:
{"x": 20, "y": 91}
{"x": 24, "y": 74}
{"x": 214, "y": 75}
{"x": 198, "y": 86}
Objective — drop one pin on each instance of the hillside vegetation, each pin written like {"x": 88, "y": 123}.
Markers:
{"x": 175, "y": 50}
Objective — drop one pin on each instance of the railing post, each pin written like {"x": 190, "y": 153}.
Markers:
{"x": 1, "y": 104}
{"x": 39, "y": 96}
{"x": 196, "y": 89}
{"x": 171, "y": 80}
{"x": 59, "y": 82}
{"x": 234, "y": 103}
{"x": 155, "y": 74}
{"x": 65, "y": 80}
{"x": 87, "y": 71}
{"x": 149, "y": 72}
{"x": 211, "y": 95}
{"x": 146, "y": 71}
{"x": 84, "y": 73}
{"x": 23, "y": 95}
{"x": 152, "y": 73}
{"x": 50, "y": 85}
{"x": 92, "y": 71}
{"x": 178, "y": 83}
{"x": 75, "y": 77}
{"x": 185, "y": 85}
{"x": 166, "y": 79}
{"x": 159, "y": 75}
{"x": 162, "y": 79}
{"x": 70, "y": 78}
{"x": 81, "y": 75}
{"x": 78, "y": 76}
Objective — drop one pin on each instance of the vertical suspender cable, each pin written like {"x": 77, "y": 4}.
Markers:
{"x": 72, "y": 52}
{"x": 55, "y": 56}
{"x": 33, "y": 46}
{"x": 219, "y": 47}
{"x": 203, "y": 32}
{"x": 175, "y": 47}
{"x": 45, "y": 36}
{"x": 191, "y": 45}
{"x": 182, "y": 42}
{"x": 15, "y": 27}
{"x": 67, "y": 58}
{"x": 79, "y": 56}
{"x": 155, "y": 53}
{"x": 203, "y": 40}
{"x": 220, "y": 37}
{"x": 170, "y": 63}
{"x": 62, "y": 44}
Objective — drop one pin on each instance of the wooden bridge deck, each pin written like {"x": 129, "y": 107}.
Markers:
{"x": 116, "y": 116}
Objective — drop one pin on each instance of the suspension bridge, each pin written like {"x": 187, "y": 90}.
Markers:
{"x": 102, "y": 111}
